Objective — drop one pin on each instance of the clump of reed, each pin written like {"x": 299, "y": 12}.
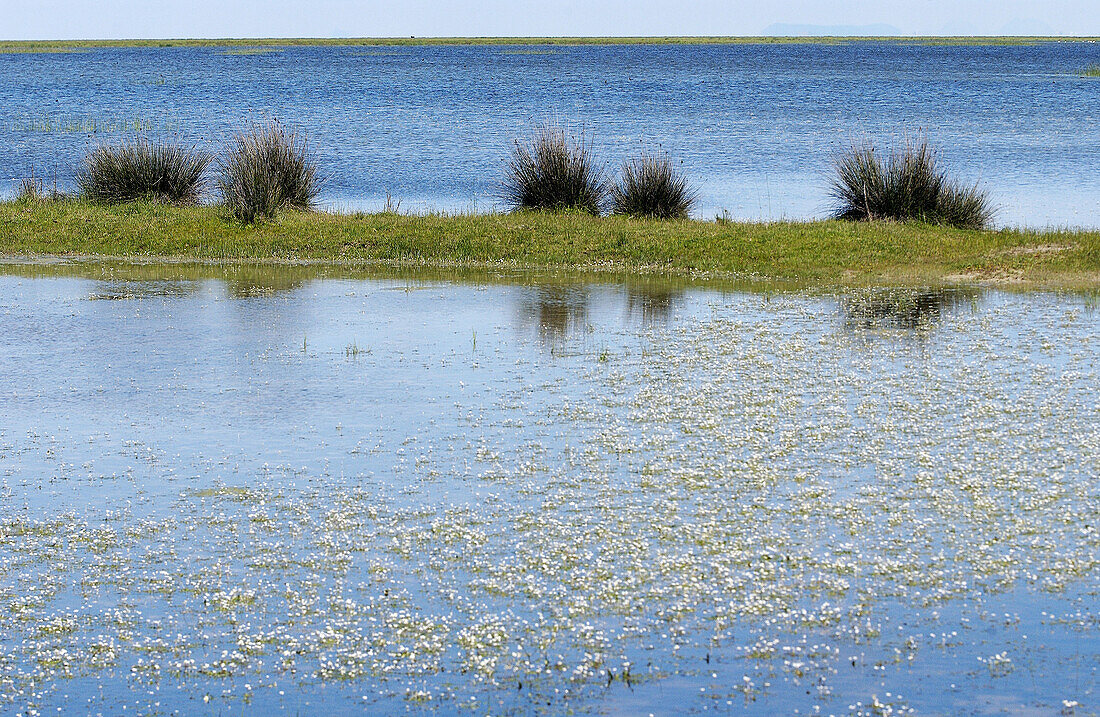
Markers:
{"x": 33, "y": 189}
{"x": 268, "y": 167}
{"x": 141, "y": 169}
{"x": 650, "y": 186}
{"x": 555, "y": 171}
{"x": 907, "y": 185}
{"x": 1091, "y": 71}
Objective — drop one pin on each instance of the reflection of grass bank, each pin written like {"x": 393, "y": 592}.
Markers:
{"x": 824, "y": 252}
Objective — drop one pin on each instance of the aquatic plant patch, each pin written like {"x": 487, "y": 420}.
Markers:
{"x": 765, "y": 503}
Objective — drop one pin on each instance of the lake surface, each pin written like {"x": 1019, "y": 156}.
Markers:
{"x": 237, "y": 489}
{"x": 756, "y": 126}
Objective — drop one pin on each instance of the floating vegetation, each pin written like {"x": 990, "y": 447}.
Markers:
{"x": 74, "y": 124}
{"x": 353, "y": 350}
{"x": 744, "y": 509}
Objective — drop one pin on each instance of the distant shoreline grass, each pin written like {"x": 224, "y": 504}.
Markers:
{"x": 821, "y": 253}
{"x": 16, "y": 46}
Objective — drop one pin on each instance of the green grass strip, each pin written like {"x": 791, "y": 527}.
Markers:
{"x": 819, "y": 253}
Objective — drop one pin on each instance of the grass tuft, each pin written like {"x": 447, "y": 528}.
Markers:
{"x": 172, "y": 174}
{"x": 1091, "y": 71}
{"x": 268, "y": 167}
{"x": 555, "y": 171}
{"x": 651, "y": 187}
{"x": 907, "y": 185}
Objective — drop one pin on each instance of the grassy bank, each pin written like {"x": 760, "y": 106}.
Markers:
{"x": 825, "y": 253}
{"x": 7, "y": 46}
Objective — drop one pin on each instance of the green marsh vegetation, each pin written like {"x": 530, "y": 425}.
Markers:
{"x": 555, "y": 171}
{"x": 815, "y": 253}
{"x": 70, "y": 124}
{"x": 1091, "y": 71}
{"x": 142, "y": 169}
{"x": 650, "y": 186}
{"x": 33, "y": 190}
{"x": 269, "y": 180}
{"x": 906, "y": 185}
{"x": 268, "y": 167}
{"x": 20, "y": 46}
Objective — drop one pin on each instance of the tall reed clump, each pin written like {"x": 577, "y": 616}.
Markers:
{"x": 1091, "y": 71}
{"x": 555, "y": 171}
{"x": 34, "y": 190}
{"x": 142, "y": 169}
{"x": 268, "y": 167}
{"x": 650, "y": 186}
{"x": 907, "y": 185}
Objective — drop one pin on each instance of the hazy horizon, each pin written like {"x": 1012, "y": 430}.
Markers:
{"x": 210, "y": 19}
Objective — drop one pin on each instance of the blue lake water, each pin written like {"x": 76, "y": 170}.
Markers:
{"x": 756, "y": 126}
{"x": 244, "y": 490}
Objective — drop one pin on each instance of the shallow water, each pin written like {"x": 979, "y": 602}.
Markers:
{"x": 756, "y": 126}
{"x": 234, "y": 489}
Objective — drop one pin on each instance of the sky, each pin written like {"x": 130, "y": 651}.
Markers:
{"x": 109, "y": 19}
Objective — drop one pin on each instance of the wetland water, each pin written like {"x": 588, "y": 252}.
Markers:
{"x": 240, "y": 490}
{"x": 756, "y": 126}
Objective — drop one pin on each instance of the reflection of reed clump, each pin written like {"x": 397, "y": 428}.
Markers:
{"x": 114, "y": 290}
{"x": 651, "y": 303}
{"x": 556, "y": 310}
{"x": 249, "y": 281}
{"x": 903, "y": 308}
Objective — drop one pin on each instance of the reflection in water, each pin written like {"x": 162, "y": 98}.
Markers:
{"x": 115, "y": 290}
{"x": 651, "y": 303}
{"x": 908, "y": 309}
{"x": 245, "y": 282}
{"x": 556, "y": 310}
